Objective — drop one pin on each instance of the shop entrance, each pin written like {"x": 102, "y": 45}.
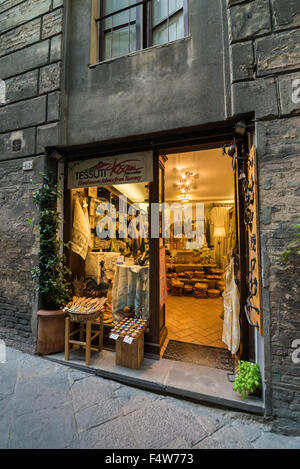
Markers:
{"x": 213, "y": 313}
{"x": 175, "y": 275}
{"x": 174, "y": 270}
{"x": 200, "y": 188}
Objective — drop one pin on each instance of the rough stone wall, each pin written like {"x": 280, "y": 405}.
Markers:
{"x": 30, "y": 94}
{"x": 265, "y": 77}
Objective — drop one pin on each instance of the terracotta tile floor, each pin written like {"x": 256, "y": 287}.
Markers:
{"x": 194, "y": 320}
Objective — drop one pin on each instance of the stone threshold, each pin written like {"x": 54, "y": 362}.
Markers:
{"x": 184, "y": 380}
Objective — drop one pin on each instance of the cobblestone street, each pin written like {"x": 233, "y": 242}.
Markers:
{"x": 46, "y": 405}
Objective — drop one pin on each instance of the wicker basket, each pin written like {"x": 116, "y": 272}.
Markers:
{"x": 81, "y": 313}
{"x": 83, "y": 317}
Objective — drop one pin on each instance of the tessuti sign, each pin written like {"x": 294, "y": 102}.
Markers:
{"x": 108, "y": 171}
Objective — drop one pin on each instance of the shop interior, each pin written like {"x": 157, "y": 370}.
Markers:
{"x": 117, "y": 267}
{"x": 196, "y": 268}
{"x": 104, "y": 262}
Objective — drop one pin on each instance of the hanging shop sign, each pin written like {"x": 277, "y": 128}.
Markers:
{"x": 108, "y": 171}
{"x": 253, "y": 307}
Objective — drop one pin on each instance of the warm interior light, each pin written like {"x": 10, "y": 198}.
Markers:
{"x": 219, "y": 232}
{"x": 135, "y": 192}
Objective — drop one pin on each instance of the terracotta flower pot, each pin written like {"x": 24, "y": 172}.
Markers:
{"x": 51, "y": 332}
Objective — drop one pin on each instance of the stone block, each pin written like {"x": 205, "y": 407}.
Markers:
{"x": 249, "y": 20}
{"x": 278, "y": 53}
{"x": 23, "y": 114}
{"x": 21, "y": 87}
{"x": 6, "y": 4}
{"x": 286, "y": 14}
{"x": 242, "y": 58}
{"x": 53, "y": 112}
{"x": 27, "y": 144}
{"x": 23, "y": 12}
{"x": 259, "y": 96}
{"x": 279, "y": 141}
{"x": 47, "y": 135}
{"x": 52, "y": 23}
{"x": 56, "y": 48}
{"x": 20, "y": 37}
{"x": 50, "y": 78}
{"x": 25, "y": 59}
{"x": 289, "y": 88}
{"x": 58, "y": 3}
{"x": 233, "y": 2}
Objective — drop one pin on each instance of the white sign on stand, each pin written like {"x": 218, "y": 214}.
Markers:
{"x": 114, "y": 336}
{"x": 128, "y": 339}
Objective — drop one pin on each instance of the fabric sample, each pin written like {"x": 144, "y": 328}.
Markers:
{"x": 231, "y": 325}
{"x": 81, "y": 234}
{"x": 130, "y": 288}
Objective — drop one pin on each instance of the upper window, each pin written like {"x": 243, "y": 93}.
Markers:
{"x": 129, "y": 25}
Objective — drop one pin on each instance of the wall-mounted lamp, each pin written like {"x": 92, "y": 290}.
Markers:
{"x": 240, "y": 128}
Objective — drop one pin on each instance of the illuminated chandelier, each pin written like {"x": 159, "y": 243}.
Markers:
{"x": 185, "y": 186}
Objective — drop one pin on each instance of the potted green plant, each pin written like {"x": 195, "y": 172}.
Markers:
{"x": 51, "y": 274}
{"x": 248, "y": 379}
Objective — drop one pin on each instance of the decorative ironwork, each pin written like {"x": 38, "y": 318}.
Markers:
{"x": 252, "y": 306}
{"x": 248, "y": 178}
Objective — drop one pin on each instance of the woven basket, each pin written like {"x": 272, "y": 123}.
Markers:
{"x": 83, "y": 317}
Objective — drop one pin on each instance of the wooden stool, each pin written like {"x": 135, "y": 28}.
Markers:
{"x": 85, "y": 331}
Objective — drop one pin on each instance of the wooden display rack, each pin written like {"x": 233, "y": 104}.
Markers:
{"x": 130, "y": 355}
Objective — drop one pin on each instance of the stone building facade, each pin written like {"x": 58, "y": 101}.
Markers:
{"x": 242, "y": 57}
{"x": 265, "y": 77}
{"x": 30, "y": 80}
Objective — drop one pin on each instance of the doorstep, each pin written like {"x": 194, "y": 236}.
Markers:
{"x": 184, "y": 380}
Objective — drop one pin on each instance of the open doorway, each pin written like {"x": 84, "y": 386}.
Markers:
{"x": 196, "y": 264}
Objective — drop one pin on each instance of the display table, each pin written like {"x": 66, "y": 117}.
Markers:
{"x": 131, "y": 288}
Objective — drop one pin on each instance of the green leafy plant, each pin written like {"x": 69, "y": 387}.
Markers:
{"x": 248, "y": 378}
{"x": 286, "y": 253}
{"x": 51, "y": 274}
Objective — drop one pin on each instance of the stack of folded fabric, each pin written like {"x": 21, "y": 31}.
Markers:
{"x": 200, "y": 290}
{"x": 220, "y": 285}
{"x": 188, "y": 289}
{"x": 198, "y": 274}
{"x": 213, "y": 293}
{"x": 177, "y": 287}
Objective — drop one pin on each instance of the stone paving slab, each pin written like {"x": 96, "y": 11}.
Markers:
{"x": 47, "y": 405}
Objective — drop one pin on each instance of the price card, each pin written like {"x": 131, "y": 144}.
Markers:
{"x": 114, "y": 336}
{"x": 128, "y": 339}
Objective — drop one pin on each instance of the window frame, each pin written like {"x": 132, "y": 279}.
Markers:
{"x": 143, "y": 22}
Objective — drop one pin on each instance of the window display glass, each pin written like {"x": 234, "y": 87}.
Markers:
{"x": 109, "y": 249}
